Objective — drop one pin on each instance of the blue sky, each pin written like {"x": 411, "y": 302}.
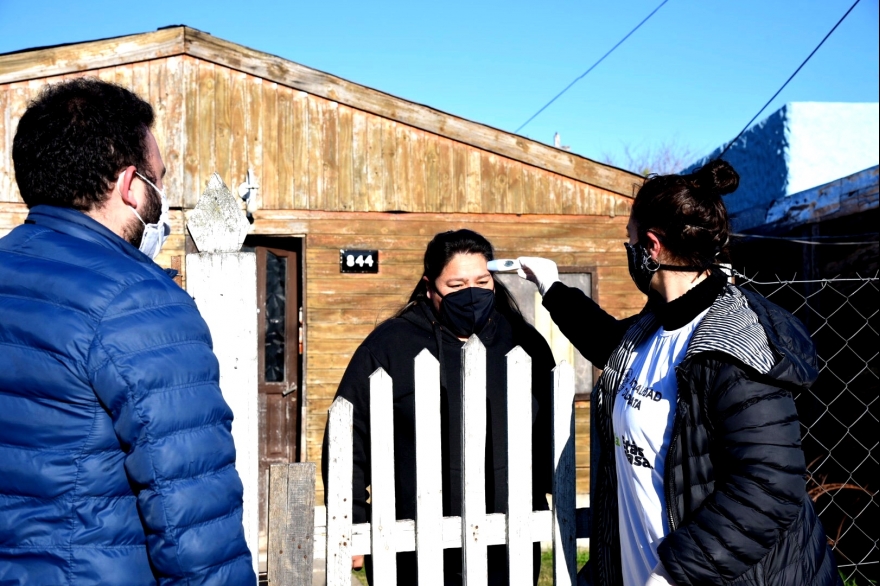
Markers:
{"x": 694, "y": 74}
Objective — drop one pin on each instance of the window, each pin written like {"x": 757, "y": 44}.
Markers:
{"x": 529, "y": 300}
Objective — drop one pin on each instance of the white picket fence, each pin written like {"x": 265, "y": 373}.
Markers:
{"x": 474, "y": 530}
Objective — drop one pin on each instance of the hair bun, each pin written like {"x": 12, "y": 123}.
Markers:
{"x": 717, "y": 176}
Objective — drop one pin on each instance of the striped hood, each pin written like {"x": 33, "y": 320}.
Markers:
{"x": 730, "y": 326}
{"x": 757, "y": 333}
{"x": 746, "y": 326}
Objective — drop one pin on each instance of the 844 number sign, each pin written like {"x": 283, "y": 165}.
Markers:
{"x": 358, "y": 261}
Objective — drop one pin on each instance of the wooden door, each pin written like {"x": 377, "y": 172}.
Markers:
{"x": 279, "y": 353}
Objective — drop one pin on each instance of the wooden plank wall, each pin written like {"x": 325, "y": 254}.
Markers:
{"x": 159, "y": 82}
{"x": 342, "y": 309}
{"x": 312, "y": 153}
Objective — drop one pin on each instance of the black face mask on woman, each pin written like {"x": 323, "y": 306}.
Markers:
{"x": 466, "y": 311}
{"x": 641, "y": 266}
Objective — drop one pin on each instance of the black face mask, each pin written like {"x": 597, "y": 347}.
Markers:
{"x": 641, "y": 266}
{"x": 467, "y": 311}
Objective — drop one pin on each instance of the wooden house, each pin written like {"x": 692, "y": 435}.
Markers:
{"x": 339, "y": 166}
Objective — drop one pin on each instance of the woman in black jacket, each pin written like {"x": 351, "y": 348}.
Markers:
{"x": 697, "y": 473}
{"x": 455, "y": 298}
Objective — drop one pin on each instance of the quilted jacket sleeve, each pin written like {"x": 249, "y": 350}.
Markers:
{"x": 153, "y": 369}
{"x": 759, "y": 483}
{"x": 591, "y": 329}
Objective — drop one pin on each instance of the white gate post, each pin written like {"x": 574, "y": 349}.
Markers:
{"x": 429, "y": 470}
{"x": 473, "y": 469}
{"x": 520, "y": 565}
{"x": 383, "y": 520}
{"x": 223, "y": 283}
{"x": 339, "y": 496}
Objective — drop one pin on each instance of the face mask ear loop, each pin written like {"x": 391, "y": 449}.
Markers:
{"x": 119, "y": 189}
{"x": 433, "y": 288}
{"x": 649, "y": 263}
{"x": 139, "y": 216}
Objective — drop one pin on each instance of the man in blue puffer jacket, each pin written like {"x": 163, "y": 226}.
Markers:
{"x": 116, "y": 457}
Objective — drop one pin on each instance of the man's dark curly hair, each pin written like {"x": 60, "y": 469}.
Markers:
{"x": 75, "y": 139}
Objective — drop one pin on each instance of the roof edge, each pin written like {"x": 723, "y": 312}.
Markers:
{"x": 167, "y": 42}
{"x": 67, "y": 58}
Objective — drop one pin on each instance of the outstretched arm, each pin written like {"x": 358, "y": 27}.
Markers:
{"x": 593, "y": 331}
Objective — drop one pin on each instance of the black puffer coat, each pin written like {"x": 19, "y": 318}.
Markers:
{"x": 736, "y": 498}
{"x": 393, "y": 346}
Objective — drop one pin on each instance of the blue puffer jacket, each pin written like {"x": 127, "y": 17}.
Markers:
{"x": 116, "y": 457}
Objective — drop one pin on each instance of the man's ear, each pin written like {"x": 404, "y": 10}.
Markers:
{"x": 653, "y": 245}
{"x": 123, "y": 186}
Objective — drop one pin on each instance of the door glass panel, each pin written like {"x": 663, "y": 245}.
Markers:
{"x": 276, "y": 298}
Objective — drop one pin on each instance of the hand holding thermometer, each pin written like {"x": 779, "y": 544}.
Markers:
{"x": 503, "y": 265}
{"x": 543, "y": 272}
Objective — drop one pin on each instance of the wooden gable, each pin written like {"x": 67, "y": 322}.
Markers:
{"x": 314, "y": 141}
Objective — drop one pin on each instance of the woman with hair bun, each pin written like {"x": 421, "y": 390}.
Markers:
{"x": 697, "y": 472}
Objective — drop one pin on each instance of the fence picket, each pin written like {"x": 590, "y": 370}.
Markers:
{"x": 473, "y": 449}
{"x": 382, "y": 495}
{"x": 430, "y": 533}
{"x": 339, "y": 519}
{"x": 564, "y": 522}
{"x": 519, "y": 467}
{"x": 429, "y": 480}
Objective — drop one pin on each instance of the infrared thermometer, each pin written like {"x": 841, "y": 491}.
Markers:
{"x": 503, "y": 265}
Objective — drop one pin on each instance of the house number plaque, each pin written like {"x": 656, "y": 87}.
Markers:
{"x": 358, "y": 261}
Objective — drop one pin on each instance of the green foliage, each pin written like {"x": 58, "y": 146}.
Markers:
{"x": 546, "y": 577}
{"x": 852, "y": 581}
{"x": 361, "y": 575}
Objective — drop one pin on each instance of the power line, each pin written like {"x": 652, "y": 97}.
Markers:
{"x": 817, "y": 240}
{"x": 731, "y": 143}
{"x": 593, "y": 66}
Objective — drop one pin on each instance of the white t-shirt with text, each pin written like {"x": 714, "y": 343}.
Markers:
{"x": 644, "y": 410}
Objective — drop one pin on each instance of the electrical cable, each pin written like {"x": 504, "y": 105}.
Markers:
{"x": 813, "y": 52}
{"x": 816, "y": 236}
{"x": 812, "y": 242}
{"x": 593, "y": 66}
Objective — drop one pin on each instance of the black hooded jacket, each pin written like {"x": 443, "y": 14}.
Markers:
{"x": 737, "y": 508}
{"x": 393, "y": 346}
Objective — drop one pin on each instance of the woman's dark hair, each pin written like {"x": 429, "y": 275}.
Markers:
{"x": 441, "y": 249}
{"x": 686, "y": 212}
{"x": 75, "y": 138}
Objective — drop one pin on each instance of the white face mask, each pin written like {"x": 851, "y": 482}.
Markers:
{"x": 154, "y": 234}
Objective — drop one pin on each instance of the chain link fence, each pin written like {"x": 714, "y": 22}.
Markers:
{"x": 839, "y": 414}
